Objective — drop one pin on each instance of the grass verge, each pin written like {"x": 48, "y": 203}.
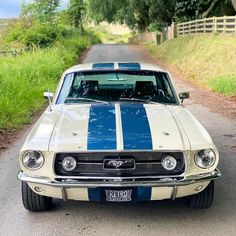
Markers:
{"x": 208, "y": 60}
{"x": 23, "y": 79}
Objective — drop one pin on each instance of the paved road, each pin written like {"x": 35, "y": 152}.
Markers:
{"x": 154, "y": 218}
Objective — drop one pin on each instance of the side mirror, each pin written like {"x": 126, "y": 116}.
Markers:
{"x": 184, "y": 96}
{"x": 48, "y": 95}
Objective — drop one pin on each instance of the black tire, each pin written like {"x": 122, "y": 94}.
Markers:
{"x": 202, "y": 200}
{"x": 33, "y": 201}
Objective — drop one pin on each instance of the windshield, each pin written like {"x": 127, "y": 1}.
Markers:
{"x": 126, "y": 86}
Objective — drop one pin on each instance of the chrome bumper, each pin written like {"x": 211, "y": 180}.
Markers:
{"x": 119, "y": 182}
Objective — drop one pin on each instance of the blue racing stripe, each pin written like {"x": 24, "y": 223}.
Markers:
{"x": 94, "y": 194}
{"x": 135, "y": 126}
{"x": 129, "y": 66}
{"x": 102, "y": 127}
{"x": 103, "y": 66}
{"x": 144, "y": 193}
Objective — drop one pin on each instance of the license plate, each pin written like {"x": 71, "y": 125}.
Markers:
{"x": 118, "y": 195}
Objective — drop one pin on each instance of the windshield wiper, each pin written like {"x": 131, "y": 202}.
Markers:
{"x": 137, "y": 100}
{"x": 85, "y": 100}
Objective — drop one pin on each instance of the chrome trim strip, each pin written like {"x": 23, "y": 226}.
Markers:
{"x": 120, "y": 182}
{"x": 116, "y": 178}
{"x": 122, "y": 151}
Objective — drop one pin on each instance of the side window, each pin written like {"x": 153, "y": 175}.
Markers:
{"x": 169, "y": 92}
{"x": 164, "y": 88}
{"x": 65, "y": 89}
{"x": 77, "y": 81}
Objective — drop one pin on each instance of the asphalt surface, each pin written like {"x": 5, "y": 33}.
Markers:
{"x": 152, "y": 218}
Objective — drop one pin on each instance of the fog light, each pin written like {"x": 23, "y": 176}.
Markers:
{"x": 69, "y": 163}
{"x": 169, "y": 162}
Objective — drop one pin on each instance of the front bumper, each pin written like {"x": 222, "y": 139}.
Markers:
{"x": 165, "y": 187}
{"x": 122, "y": 182}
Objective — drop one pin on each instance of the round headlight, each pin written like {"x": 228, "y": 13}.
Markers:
{"x": 205, "y": 158}
{"x": 69, "y": 163}
{"x": 169, "y": 162}
{"x": 33, "y": 160}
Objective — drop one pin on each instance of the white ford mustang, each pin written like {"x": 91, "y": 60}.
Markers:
{"x": 117, "y": 132}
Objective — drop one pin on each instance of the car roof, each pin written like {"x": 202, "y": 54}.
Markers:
{"x": 99, "y": 66}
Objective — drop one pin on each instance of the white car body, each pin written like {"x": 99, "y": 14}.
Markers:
{"x": 65, "y": 128}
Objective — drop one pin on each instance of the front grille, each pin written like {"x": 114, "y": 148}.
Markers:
{"x": 145, "y": 164}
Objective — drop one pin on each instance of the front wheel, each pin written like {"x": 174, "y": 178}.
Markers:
{"x": 203, "y": 199}
{"x": 33, "y": 201}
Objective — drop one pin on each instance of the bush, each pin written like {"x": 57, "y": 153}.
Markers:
{"x": 38, "y": 34}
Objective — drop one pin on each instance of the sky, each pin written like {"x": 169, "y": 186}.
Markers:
{"x": 11, "y": 8}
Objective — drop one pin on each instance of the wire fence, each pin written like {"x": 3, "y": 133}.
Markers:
{"x": 13, "y": 53}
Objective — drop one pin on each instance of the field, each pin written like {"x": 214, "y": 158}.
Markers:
{"x": 23, "y": 79}
{"x": 208, "y": 60}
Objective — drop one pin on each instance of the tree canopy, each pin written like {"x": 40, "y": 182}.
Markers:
{"x": 137, "y": 14}
{"x": 41, "y": 10}
{"x": 140, "y": 14}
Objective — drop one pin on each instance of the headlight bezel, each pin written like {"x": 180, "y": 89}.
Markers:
{"x": 40, "y": 156}
{"x": 200, "y": 165}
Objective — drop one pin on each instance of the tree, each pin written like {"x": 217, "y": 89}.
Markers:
{"x": 134, "y": 13}
{"x": 76, "y": 13}
{"x": 43, "y": 11}
{"x": 195, "y": 9}
{"x": 107, "y": 10}
{"x": 209, "y": 9}
{"x": 234, "y": 4}
{"x": 162, "y": 11}
{"x": 140, "y": 14}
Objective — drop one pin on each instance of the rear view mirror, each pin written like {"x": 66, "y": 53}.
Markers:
{"x": 184, "y": 96}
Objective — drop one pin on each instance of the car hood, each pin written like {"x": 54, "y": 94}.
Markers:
{"x": 126, "y": 127}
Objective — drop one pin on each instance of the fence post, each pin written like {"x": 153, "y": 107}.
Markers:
{"x": 174, "y": 30}
{"x": 204, "y": 25}
{"x": 214, "y": 24}
{"x": 225, "y": 21}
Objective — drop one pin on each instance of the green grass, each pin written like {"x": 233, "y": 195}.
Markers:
{"x": 209, "y": 60}
{"x": 108, "y": 37}
{"x": 225, "y": 85}
{"x": 23, "y": 79}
